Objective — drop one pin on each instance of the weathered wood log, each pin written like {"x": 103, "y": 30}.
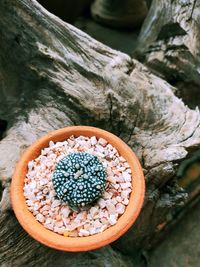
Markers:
{"x": 169, "y": 44}
{"x": 54, "y": 75}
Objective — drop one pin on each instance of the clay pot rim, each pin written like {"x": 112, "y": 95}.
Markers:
{"x": 57, "y": 241}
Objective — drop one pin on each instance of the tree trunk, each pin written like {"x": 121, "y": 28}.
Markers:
{"x": 54, "y": 75}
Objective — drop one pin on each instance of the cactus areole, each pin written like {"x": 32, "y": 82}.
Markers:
{"x": 79, "y": 179}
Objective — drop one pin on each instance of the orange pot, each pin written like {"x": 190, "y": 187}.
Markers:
{"x": 57, "y": 241}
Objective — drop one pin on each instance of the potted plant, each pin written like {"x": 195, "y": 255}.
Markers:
{"x": 78, "y": 188}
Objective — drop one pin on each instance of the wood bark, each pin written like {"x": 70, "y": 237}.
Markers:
{"x": 169, "y": 44}
{"x": 54, "y": 75}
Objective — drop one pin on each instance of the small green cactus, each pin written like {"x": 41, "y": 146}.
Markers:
{"x": 79, "y": 179}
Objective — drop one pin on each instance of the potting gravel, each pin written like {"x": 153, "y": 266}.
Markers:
{"x": 56, "y": 215}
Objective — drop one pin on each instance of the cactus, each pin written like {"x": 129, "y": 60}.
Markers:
{"x": 79, "y": 179}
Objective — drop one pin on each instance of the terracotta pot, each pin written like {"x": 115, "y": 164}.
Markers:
{"x": 54, "y": 240}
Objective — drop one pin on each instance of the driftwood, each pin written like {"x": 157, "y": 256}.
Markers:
{"x": 54, "y": 75}
{"x": 169, "y": 44}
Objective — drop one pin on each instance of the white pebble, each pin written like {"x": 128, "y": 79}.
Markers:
{"x": 116, "y": 186}
{"x": 55, "y": 203}
{"x": 94, "y": 211}
{"x": 58, "y": 230}
{"x": 49, "y": 226}
{"x": 125, "y": 185}
{"x": 112, "y": 219}
{"x": 46, "y": 207}
{"x": 114, "y": 201}
{"x": 51, "y": 143}
{"x": 48, "y": 221}
{"x": 107, "y": 195}
{"x": 111, "y": 208}
{"x": 125, "y": 201}
{"x": 97, "y": 224}
{"x": 120, "y": 179}
{"x": 59, "y": 224}
{"x": 84, "y": 232}
{"x": 125, "y": 193}
{"x": 92, "y": 230}
{"x": 104, "y": 221}
{"x": 126, "y": 176}
{"x": 93, "y": 140}
{"x": 112, "y": 179}
{"x": 101, "y": 202}
{"x": 40, "y": 217}
{"x": 30, "y": 165}
{"x": 122, "y": 159}
{"x": 33, "y": 185}
{"x": 120, "y": 208}
{"x": 102, "y": 141}
{"x": 119, "y": 199}
{"x": 65, "y": 211}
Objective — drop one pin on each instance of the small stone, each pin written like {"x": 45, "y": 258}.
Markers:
{"x": 102, "y": 142}
{"x": 99, "y": 149}
{"x": 116, "y": 186}
{"x": 114, "y": 201}
{"x": 126, "y": 176}
{"x": 36, "y": 206}
{"x": 58, "y": 230}
{"x": 107, "y": 195}
{"x": 45, "y": 208}
{"x": 104, "y": 221}
{"x": 125, "y": 185}
{"x": 45, "y": 191}
{"x": 125, "y": 194}
{"x": 92, "y": 231}
{"x": 101, "y": 202}
{"x": 86, "y": 226}
{"x": 83, "y": 232}
{"x": 120, "y": 208}
{"x": 112, "y": 219}
{"x": 120, "y": 179}
{"x": 110, "y": 207}
{"x": 30, "y": 165}
{"x": 55, "y": 203}
{"x": 97, "y": 224}
{"x": 51, "y": 143}
{"x": 93, "y": 140}
{"x": 122, "y": 159}
{"x": 49, "y": 226}
{"x": 59, "y": 223}
{"x": 48, "y": 221}
{"x": 119, "y": 199}
{"x": 58, "y": 217}
{"x": 94, "y": 211}
{"x": 125, "y": 201}
{"x": 40, "y": 217}
{"x": 33, "y": 185}
{"x": 112, "y": 179}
